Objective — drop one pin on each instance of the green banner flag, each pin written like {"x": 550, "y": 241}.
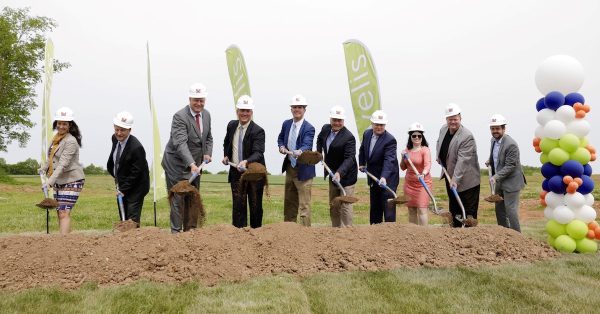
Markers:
{"x": 157, "y": 174}
{"x": 362, "y": 80}
{"x": 46, "y": 117}
{"x": 237, "y": 72}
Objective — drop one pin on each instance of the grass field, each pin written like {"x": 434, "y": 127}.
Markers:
{"x": 567, "y": 284}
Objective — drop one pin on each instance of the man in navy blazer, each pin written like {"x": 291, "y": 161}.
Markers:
{"x": 295, "y": 137}
{"x": 378, "y": 156}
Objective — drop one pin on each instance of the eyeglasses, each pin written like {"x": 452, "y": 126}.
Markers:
{"x": 416, "y": 136}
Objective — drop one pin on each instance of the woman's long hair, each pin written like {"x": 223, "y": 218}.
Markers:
{"x": 73, "y": 129}
{"x": 409, "y": 145}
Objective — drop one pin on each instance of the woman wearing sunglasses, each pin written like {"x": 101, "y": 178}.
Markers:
{"x": 418, "y": 152}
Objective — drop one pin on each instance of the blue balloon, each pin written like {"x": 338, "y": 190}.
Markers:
{"x": 556, "y": 185}
{"x": 545, "y": 185}
{"x": 554, "y": 100}
{"x": 572, "y": 168}
{"x": 587, "y": 186}
{"x": 549, "y": 170}
{"x": 587, "y": 169}
{"x": 573, "y": 98}
{"x": 540, "y": 104}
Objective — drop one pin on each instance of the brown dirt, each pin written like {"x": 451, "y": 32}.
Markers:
{"x": 310, "y": 157}
{"x": 494, "y": 198}
{"x": 123, "y": 226}
{"x": 224, "y": 253}
{"x": 47, "y": 203}
{"x": 191, "y": 198}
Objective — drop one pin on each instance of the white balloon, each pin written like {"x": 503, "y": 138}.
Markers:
{"x": 539, "y": 131}
{"x": 559, "y": 73}
{"x": 554, "y": 200}
{"x": 579, "y": 127}
{"x": 548, "y": 213}
{"x": 545, "y": 115}
{"x": 589, "y": 199}
{"x": 565, "y": 114}
{"x": 575, "y": 200}
{"x": 586, "y": 214}
{"x": 555, "y": 129}
{"x": 563, "y": 215}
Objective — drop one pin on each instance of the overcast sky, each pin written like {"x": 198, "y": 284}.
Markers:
{"x": 481, "y": 55}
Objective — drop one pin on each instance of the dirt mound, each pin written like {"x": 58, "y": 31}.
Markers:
{"x": 223, "y": 252}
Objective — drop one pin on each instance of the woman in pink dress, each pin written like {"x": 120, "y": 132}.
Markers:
{"x": 418, "y": 152}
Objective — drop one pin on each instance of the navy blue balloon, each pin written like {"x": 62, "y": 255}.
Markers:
{"x": 545, "y": 185}
{"x": 587, "y": 186}
{"x": 554, "y": 100}
{"x": 573, "y": 98}
{"x": 556, "y": 185}
{"x": 572, "y": 168}
{"x": 549, "y": 170}
{"x": 540, "y": 104}
{"x": 587, "y": 169}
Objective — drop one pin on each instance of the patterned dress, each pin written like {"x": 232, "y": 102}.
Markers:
{"x": 412, "y": 187}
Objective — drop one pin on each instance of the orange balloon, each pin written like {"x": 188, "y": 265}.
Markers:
{"x": 577, "y": 106}
{"x": 591, "y": 149}
{"x": 593, "y": 157}
{"x": 567, "y": 179}
{"x": 586, "y": 108}
{"x": 543, "y": 194}
{"x": 593, "y": 225}
{"x": 572, "y": 188}
{"x": 537, "y": 149}
{"x": 579, "y": 181}
{"x": 537, "y": 141}
{"x": 543, "y": 202}
{"x": 591, "y": 234}
{"x": 580, "y": 114}
{"x": 597, "y": 234}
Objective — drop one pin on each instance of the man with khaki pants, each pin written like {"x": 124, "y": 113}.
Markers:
{"x": 296, "y": 136}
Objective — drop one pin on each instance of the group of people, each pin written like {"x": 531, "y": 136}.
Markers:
{"x": 190, "y": 146}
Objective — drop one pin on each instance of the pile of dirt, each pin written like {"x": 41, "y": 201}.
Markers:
{"x": 217, "y": 253}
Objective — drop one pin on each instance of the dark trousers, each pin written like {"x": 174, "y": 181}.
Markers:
{"x": 469, "y": 198}
{"x": 250, "y": 193}
{"x": 380, "y": 207}
{"x": 132, "y": 206}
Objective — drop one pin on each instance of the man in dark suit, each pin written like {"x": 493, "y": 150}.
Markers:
{"x": 127, "y": 164}
{"x": 190, "y": 144}
{"x": 244, "y": 143}
{"x": 338, "y": 146}
{"x": 507, "y": 173}
{"x": 296, "y": 136}
{"x": 378, "y": 156}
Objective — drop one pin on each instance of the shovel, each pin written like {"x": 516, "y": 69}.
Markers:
{"x": 307, "y": 157}
{"x": 47, "y": 203}
{"x": 493, "y": 198}
{"x": 242, "y": 169}
{"x": 470, "y": 222}
{"x": 396, "y": 199}
{"x": 343, "y": 198}
{"x": 436, "y": 210}
{"x": 185, "y": 186}
{"x": 123, "y": 225}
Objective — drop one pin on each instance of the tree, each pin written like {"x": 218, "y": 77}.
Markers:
{"x": 93, "y": 169}
{"x": 22, "y": 42}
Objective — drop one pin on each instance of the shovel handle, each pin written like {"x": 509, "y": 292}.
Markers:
{"x": 339, "y": 185}
{"x": 121, "y": 206}
{"x": 44, "y": 186}
{"x": 197, "y": 173}
{"x": 455, "y": 192}
{"x": 242, "y": 169}
{"x": 383, "y": 186}
{"x": 492, "y": 186}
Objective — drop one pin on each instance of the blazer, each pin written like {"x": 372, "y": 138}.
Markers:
{"x": 461, "y": 162}
{"x": 509, "y": 174}
{"x": 383, "y": 160}
{"x": 186, "y": 145}
{"x": 133, "y": 175}
{"x": 253, "y": 144}
{"x": 65, "y": 163}
{"x": 341, "y": 155}
{"x": 303, "y": 143}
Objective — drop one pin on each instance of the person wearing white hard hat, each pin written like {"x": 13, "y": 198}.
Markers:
{"x": 338, "y": 146}
{"x": 190, "y": 145}
{"x": 296, "y": 136}
{"x": 65, "y": 174}
{"x": 128, "y": 165}
{"x": 377, "y": 155}
{"x": 244, "y": 143}
{"x": 507, "y": 173}
{"x": 417, "y": 151}
{"x": 457, "y": 152}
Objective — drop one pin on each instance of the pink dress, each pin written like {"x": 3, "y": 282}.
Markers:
{"x": 413, "y": 189}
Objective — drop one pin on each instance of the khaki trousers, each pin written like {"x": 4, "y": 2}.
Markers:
{"x": 341, "y": 215}
{"x": 297, "y": 197}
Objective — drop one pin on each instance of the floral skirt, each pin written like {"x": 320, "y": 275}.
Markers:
{"x": 67, "y": 194}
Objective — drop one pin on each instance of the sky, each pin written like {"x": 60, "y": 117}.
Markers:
{"x": 481, "y": 55}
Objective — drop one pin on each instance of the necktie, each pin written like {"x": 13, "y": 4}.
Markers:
{"x": 292, "y": 143}
{"x": 117, "y": 158}
{"x": 373, "y": 142}
{"x": 330, "y": 139}
{"x": 240, "y": 143}
{"x": 198, "y": 123}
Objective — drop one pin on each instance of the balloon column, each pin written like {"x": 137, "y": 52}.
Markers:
{"x": 561, "y": 138}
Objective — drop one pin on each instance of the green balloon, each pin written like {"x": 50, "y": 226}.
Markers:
{"x": 577, "y": 229}
{"x": 555, "y": 229}
{"x": 586, "y": 245}
{"x": 544, "y": 158}
{"x": 550, "y": 240}
{"x": 558, "y": 156}
{"x": 583, "y": 142}
{"x": 547, "y": 144}
{"x": 565, "y": 244}
{"x": 581, "y": 155}
{"x": 569, "y": 142}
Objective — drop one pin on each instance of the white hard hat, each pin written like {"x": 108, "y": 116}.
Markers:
{"x": 452, "y": 109}
{"x": 416, "y": 127}
{"x": 245, "y": 102}
{"x": 123, "y": 119}
{"x": 64, "y": 114}
{"x": 379, "y": 117}
{"x": 198, "y": 90}
{"x": 298, "y": 100}
{"x": 337, "y": 112}
{"x": 498, "y": 120}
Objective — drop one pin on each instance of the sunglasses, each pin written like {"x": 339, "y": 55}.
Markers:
{"x": 416, "y": 136}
